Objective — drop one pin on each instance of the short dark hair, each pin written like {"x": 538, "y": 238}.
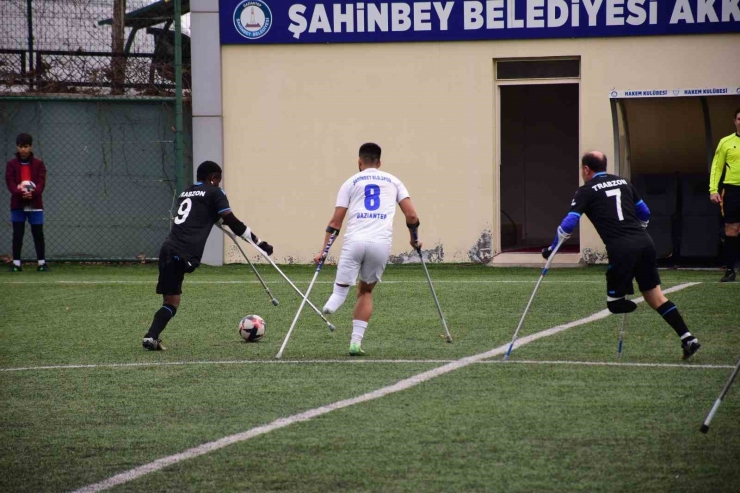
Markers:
{"x": 736, "y": 112}
{"x": 24, "y": 140}
{"x": 595, "y": 161}
{"x": 370, "y": 153}
{"x": 207, "y": 168}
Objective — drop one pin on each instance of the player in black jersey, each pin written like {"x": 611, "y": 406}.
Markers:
{"x": 620, "y": 217}
{"x": 199, "y": 208}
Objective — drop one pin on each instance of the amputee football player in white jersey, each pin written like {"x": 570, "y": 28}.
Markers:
{"x": 370, "y": 198}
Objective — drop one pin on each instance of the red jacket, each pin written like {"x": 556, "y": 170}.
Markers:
{"x": 13, "y": 178}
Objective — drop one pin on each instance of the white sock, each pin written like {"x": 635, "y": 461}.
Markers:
{"x": 42, "y": 262}
{"x": 358, "y": 331}
{"x": 17, "y": 263}
{"x": 336, "y": 299}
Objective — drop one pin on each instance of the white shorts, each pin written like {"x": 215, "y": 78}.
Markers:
{"x": 363, "y": 258}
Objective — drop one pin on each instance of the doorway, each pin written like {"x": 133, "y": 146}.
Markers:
{"x": 539, "y": 163}
{"x": 668, "y": 148}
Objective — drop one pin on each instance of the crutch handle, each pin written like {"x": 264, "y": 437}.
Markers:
{"x": 326, "y": 251}
{"x": 415, "y": 235}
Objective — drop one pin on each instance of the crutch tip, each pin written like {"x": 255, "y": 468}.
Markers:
{"x": 704, "y": 429}
{"x": 275, "y": 302}
{"x": 332, "y": 328}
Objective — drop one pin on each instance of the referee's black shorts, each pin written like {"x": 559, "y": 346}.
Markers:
{"x": 633, "y": 259}
{"x": 731, "y": 204}
{"x": 171, "y": 271}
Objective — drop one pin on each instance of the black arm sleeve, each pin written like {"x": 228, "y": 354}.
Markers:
{"x": 234, "y": 224}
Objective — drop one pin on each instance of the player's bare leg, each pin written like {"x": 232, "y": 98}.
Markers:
{"x": 669, "y": 311}
{"x": 732, "y": 250}
{"x": 170, "y": 303}
{"x": 363, "y": 312}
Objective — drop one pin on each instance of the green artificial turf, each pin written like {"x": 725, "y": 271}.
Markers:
{"x": 486, "y": 427}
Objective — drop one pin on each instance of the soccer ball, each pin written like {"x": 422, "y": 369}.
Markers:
{"x": 252, "y": 328}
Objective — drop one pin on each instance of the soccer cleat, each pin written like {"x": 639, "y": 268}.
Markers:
{"x": 690, "y": 348}
{"x": 43, "y": 268}
{"x": 151, "y": 344}
{"x": 15, "y": 268}
{"x": 729, "y": 276}
{"x": 355, "y": 350}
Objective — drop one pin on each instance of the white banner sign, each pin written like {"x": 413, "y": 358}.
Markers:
{"x": 675, "y": 93}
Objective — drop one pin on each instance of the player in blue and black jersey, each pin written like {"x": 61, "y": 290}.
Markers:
{"x": 199, "y": 208}
{"x": 621, "y": 217}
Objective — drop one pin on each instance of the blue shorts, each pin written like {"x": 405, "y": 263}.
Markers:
{"x": 20, "y": 216}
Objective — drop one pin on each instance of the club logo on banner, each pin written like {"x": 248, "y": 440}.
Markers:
{"x": 252, "y": 18}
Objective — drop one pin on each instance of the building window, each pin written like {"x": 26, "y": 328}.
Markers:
{"x": 538, "y": 69}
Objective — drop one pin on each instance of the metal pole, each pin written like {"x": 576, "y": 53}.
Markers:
{"x": 118, "y": 61}
{"x": 615, "y": 136}
{"x": 707, "y": 133}
{"x": 29, "y": 16}
{"x": 179, "y": 153}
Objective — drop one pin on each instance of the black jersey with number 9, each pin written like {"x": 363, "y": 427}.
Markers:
{"x": 609, "y": 202}
{"x": 198, "y": 209}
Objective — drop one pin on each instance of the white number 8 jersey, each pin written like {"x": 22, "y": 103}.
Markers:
{"x": 371, "y": 197}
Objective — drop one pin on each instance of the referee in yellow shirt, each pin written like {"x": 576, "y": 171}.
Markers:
{"x": 728, "y": 157}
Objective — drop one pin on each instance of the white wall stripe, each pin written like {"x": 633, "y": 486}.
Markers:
{"x": 404, "y": 384}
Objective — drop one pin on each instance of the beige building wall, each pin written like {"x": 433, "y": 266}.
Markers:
{"x": 294, "y": 117}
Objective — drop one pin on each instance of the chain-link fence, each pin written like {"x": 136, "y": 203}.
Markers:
{"x": 111, "y": 175}
{"x": 93, "y": 81}
{"x": 55, "y": 46}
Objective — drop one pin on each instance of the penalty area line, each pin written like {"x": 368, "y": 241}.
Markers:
{"x": 404, "y": 384}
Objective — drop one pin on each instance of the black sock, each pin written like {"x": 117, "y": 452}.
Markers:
{"x": 37, "y": 230}
{"x": 161, "y": 318}
{"x": 18, "y": 229}
{"x": 669, "y": 312}
{"x": 732, "y": 245}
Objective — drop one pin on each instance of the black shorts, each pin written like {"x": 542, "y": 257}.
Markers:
{"x": 731, "y": 204}
{"x": 636, "y": 260}
{"x": 171, "y": 271}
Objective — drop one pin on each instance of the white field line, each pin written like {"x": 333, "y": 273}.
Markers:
{"x": 309, "y": 362}
{"x": 687, "y": 366}
{"x": 306, "y": 281}
{"x": 225, "y": 362}
{"x": 404, "y": 384}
